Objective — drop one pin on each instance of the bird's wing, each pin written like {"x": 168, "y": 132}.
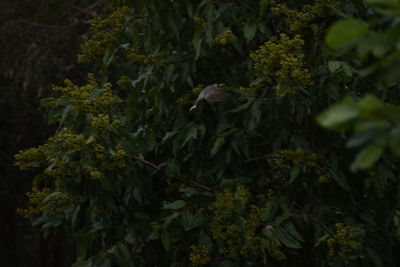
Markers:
{"x": 218, "y": 96}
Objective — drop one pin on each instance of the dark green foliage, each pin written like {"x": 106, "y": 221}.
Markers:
{"x": 135, "y": 179}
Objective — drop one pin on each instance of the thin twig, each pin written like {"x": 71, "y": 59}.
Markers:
{"x": 195, "y": 184}
{"x": 146, "y": 163}
{"x": 55, "y": 27}
{"x": 268, "y": 156}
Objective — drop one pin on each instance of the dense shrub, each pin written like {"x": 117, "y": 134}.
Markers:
{"x": 135, "y": 179}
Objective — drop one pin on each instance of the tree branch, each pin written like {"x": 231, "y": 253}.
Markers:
{"x": 146, "y": 163}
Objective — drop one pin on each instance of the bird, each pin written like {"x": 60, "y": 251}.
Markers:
{"x": 211, "y": 93}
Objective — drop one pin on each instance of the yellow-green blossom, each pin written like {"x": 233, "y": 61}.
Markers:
{"x": 297, "y": 20}
{"x": 135, "y": 55}
{"x": 199, "y": 21}
{"x": 104, "y": 122}
{"x": 342, "y": 243}
{"x": 104, "y": 34}
{"x": 92, "y": 97}
{"x": 200, "y": 255}
{"x": 124, "y": 81}
{"x": 236, "y": 226}
{"x": 281, "y": 61}
{"x": 94, "y": 173}
{"x": 225, "y": 38}
{"x": 45, "y": 200}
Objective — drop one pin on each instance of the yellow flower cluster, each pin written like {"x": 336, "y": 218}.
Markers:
{"x": 188, "y": 99}
{"x": 146, "y": 59}
{"x": 124, "y": 81}
{"x": 66, "y": 139}
{"x": 223, "y": 230}
{"x": 94, "y": 173}
{"x": 254, "y": 242}
{"x": 196, "y": 90}
{"x": 199, "y": 21}
{"x": 119, "y": 154}
{"x": 118, "y": 159}
{"x": 56, "y": 201}
{"x": 99, "y": 150}
{"x": 104, "y": 122}
{"x": 282, "y": 61}
{"x": 61, "y": 169}
{"x": 230, "y": 211}
{"x": 183, "y": 100}
{"x": 200, "y": 255}
{"x": 31, "y": 158}
{"x": 292, "y": 156}
{"x": 247, "y": 90}
{"x": 92, "y": 97}
{"x": 105, "y": 33}
{"x": 297, "y": 20}
{"x": 36, "y": 198}
{"x": 342, "y": 242}
{"x": 44, "y": 200}
{"x": 225, "y": 38}
{"x": 285, "y": 159}
{"x": 54, "y": 155}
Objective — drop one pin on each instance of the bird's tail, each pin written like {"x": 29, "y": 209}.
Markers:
{"x": 193, "y": 107}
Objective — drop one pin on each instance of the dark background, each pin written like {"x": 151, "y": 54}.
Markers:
{"x": 39, "y": 41}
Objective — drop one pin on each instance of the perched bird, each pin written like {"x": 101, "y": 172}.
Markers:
{"x": 211, "y": 93}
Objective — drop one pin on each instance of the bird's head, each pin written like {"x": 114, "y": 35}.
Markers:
{"x": 220, "y": 85}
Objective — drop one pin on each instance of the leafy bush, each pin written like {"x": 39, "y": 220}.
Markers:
{"x": 136, "y": 179}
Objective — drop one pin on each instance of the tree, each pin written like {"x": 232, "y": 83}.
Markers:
{"x": 136, "y": 179}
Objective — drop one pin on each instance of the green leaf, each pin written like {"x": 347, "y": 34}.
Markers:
{"x": 218, "y": 143}
{"x": 166, "y": 239}
{"x": 241, "y": 107}
{"x": 192, "y": 135}
{"x": 367, "y": 157}
{"x": 168, "y": 220}
{"x": 346, "y": 33}
{"x": 178, "y": 204}
{"x": 66, "y": 112}
{"x": 337, "y": 174}
{"x": 96, "y": 93}
{"x": 364, "y": 136}
{"x": 109, "y": 56}
{"x": 122, "y": 255}
{"x": 286, "y": 238}
{"x": 321, "y": 239}
{"x": 392, "y": 112}
{"x": 281, "y": 90}
{"x": 255, "y": 116}
{"x": 336, "y": 116}
{"x": 295, "y": 172}
{"x": 91, "y": 139}
{"x": 369, "y": 105}
{"x": 249, "y": 31}
{"x": 374, "y": 257}
{"x": 394, "y": 140}
{"x": 334, "y": 65}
